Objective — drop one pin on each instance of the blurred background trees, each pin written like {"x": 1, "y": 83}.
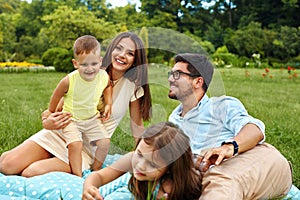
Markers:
{"x": 229, "y": 30}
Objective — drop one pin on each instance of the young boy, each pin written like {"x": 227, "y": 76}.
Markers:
{"x": 81, "y": 91}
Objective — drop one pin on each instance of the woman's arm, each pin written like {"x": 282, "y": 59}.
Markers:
{"x": 136, "y": 119}
{"x": 105, "y": 175}
{"x": 107, "y": 96}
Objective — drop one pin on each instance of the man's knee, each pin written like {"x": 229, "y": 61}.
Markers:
{"x": 219, "y": 185}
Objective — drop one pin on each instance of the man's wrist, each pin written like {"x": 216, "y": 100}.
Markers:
{"x": 235, "y": 146}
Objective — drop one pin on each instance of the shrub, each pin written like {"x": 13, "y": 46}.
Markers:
{"x": 223, "y": 58}
{"x": 49, "y": 56}
{"x": 243, "y": 62}
{"x": 277, "y": 65}
{"x": 58, "y": 57}
{"x": 63, "y": 62}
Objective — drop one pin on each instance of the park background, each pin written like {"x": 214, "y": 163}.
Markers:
{"x": 254, "y": 45}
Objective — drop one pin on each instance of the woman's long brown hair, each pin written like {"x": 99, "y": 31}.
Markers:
{"x": 138, "y": 72}
{"x": 173, "y": 146}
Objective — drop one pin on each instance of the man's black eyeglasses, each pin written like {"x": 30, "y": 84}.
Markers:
{"x": 176, "y": 74}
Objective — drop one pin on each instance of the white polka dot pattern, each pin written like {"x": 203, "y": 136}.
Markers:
{"x": 58, "y": 185}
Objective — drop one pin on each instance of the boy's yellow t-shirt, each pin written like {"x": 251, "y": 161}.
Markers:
{"x": 83, "y": 96}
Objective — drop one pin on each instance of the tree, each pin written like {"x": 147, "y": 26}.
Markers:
{"x": 165, "y": 43}
{"x": 127, "y": 16}
{"x": 247, "y": 40}
{"x": 7, "y": 36}
{"x": 215, "y": 34}
{"x": 270, "y": 13}
{"x": 286, "y": 45}
{"x": 9, "y": 6}
{"x": 66, "y": 24}
{"x": 162, "y": 13}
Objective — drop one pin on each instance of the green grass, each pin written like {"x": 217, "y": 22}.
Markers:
{"x": 273, "y": 100}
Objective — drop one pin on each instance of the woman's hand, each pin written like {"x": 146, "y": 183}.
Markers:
{"x": 91, "y": 193}
{"x": 107, "y": 112}
{"x": 55, "y": 121}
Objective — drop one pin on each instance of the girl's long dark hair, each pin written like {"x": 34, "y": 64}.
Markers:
{"x": 173, "y": 146}
{"x": 138, "y": 72}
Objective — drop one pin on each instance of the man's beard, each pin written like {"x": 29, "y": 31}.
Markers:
{"x": 172, "y": 95}
{"x": 183, "y": 95}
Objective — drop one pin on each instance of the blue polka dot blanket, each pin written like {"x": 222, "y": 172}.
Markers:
{"x": 60, "y": 185}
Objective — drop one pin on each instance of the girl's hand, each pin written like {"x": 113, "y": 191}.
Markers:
{"x": 91, "y": 193}
{"x": 55, "y": 121}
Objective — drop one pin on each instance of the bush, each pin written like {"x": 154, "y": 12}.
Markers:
{"x": 34, "y": 59}
{"x": 223, "y": 58}
{"x": 50, "y": 55}
{"x": 58, "y": 57}
{"x": 264, "y": 65}
{"x": 63, "y": 62}
{"x": 243, "y": 62}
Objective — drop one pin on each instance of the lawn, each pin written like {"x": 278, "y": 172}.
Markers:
{"x": 273, "y": 98}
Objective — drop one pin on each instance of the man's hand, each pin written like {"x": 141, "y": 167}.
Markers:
{"x": 202, "y": 165}
{"x": 214, "y": 156}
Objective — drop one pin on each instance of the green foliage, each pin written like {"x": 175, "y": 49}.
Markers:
{"x": 66, "y": 25}
{"x": 34, "y": 59}
{"x": 50, "y": 55}
{"x": 199, "y": 42}
{"x": 287, "y": 45}
{"x": 164, "y": 20}
{"x": 167, "y": 43}
{"x": 8, "y": 6}
{"x": 193, "y": 17}
{"x": 222, "y": 49}
{"x": 270, "y": 13}
{"x": 59, "y": 58}
{"x": 37, "y": 46}
{"x": 243, "y": 62}
{"x": 63, "y": 61}
{"x": 223, "y": 58}
{"x": 127, "y": 17}
{"x": 247, "y": 40}
{"x": 296, "y": 59}
{"x": 215, "y": 34}
{"x": 7, "y": 36}
{"x": 264, "y": 65}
